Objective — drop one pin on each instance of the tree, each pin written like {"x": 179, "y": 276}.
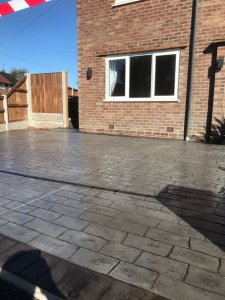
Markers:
{"x": 17, "y": 74}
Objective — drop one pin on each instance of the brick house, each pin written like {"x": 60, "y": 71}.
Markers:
{"x": 6, "y": 82}
{"x": 135, "y": 67}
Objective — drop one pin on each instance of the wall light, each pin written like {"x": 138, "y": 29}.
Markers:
{"x": 219, "y": 64}
{"x": 89, "y": 73}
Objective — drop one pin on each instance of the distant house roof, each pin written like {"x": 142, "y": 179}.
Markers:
{"x": 6, "y": 78}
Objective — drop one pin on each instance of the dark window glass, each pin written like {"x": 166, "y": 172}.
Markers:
{"x": 165, "y": 75}
{"x": 117, "y": 77}
{"x": 140, "y": 76}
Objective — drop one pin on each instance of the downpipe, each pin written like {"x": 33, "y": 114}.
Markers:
{"x": 190, "y": 69}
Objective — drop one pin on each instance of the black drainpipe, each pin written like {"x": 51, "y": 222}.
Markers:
{"x": 190, "y": 68}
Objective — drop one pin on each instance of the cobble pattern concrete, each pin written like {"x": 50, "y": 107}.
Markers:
{"x": 59, "y": 279}
{"x": 133, "y": 208}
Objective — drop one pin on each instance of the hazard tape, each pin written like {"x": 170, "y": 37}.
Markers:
{"x": 16, "y": 5}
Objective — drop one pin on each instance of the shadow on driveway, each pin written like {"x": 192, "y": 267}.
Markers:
{"x": 199, "y": 209}
{"x": 32, "y": 267}
{"x": 75, "y": 281}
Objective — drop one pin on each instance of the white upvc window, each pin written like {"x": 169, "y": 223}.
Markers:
{"x": 152, "y": 76}
{"x": 120, "y": 2}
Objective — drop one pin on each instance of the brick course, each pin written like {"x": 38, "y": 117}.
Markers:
{"x": 141, "y": 27}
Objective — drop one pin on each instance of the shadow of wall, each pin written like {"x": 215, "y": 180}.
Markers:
{"x": 201, "y": 210}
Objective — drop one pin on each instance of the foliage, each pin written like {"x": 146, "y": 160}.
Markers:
{"x": 218, "y": 131}
{"x": 17, "y": 74}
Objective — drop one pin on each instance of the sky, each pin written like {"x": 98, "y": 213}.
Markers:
{"x": 41, "y": 39}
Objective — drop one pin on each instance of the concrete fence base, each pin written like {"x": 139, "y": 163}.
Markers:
{"x": 41, "y": 120}
{"x": 18, "y": 125}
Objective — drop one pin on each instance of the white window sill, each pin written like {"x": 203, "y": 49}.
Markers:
{"x": 141, "y": 100}
{"x": 125, "y": 2}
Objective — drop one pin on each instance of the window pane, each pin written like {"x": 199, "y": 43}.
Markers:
{"x": 140, "y": 76}
{"x": 165, "y": 75}
{"x": 117, "y": 77}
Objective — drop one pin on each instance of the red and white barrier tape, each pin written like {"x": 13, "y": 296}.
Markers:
{"x": 16, "y": 5}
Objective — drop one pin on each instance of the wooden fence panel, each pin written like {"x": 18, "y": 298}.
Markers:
{"x": 17, "y": 114}
{"x": 17, "y": 102}
{"x": 46, "y": 93}
{"x": 2, "y": 110}
{"x": 72, "y": 92}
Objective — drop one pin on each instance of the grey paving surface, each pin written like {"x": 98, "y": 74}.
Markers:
{"x": 59, "y": 279}
{"x": 146, "y": 211}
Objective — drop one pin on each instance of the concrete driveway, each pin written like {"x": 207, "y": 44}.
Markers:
{"x": 149, "y": 212}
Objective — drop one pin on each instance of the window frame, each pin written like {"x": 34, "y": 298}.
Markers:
{"x": 108, "y": 59}
{"x": 153, "y": 76}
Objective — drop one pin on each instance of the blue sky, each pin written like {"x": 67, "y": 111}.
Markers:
{"x": 42, "y": 39}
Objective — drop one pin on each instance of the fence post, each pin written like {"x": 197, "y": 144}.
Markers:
{"x": 6, "y": 116}
{"x": 29, "y": 97}
{"x": 65, "y": 99}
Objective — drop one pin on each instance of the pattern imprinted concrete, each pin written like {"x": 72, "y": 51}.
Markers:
{"x": 146, "y": 211}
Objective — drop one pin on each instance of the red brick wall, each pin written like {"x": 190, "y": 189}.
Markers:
{"x": 147, "y": 25}
{"x": 211, "y": 27}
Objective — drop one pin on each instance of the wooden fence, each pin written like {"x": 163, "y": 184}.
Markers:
{"x": 72, "y": 92}
{"x": 37, "y": 101}
{"x": 46, "y": 93}
{"x": 17, "y": 102}
{"x": 2, "y": 110}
